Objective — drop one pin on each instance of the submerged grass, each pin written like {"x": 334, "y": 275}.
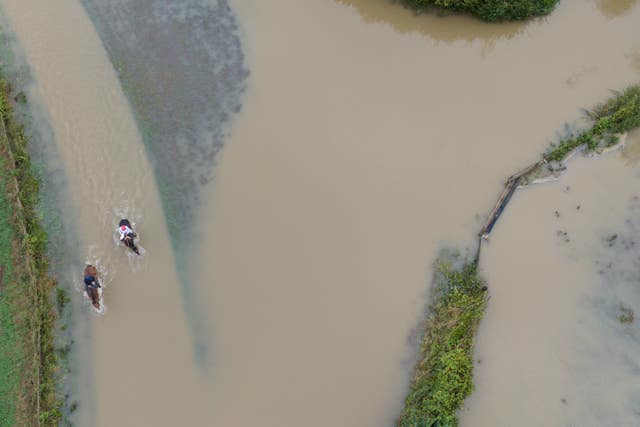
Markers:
{"x": 618, "y": 115}
{"x": 443, "y": 376}
{"x": 490, "y": 10}
{"x": 27, "y": 314}
{"x": 626, "y": 315}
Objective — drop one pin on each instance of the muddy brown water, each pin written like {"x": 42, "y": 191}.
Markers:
{"x": 563, "y": 268}
{"x": 365, "y": 144}
{"x": 368, "y": 139}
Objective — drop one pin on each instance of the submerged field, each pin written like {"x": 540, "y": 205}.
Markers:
{"x": 292, "y": 187}
{"x": 444, "y": 373}
{"x": 577, "y": 241}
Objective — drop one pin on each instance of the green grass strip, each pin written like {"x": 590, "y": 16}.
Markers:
{"x": 616, "y": 116}
{"x": 490, "y": 10}
{"x": 443, "y": 376}
{"x": 27, "y": 298}
{"x": 10, "y": 352}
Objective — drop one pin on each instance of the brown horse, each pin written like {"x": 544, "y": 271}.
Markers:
{"x": 128, "y": 239}
{"x": 91, "y": 285}
{"x": 128, "y": 242}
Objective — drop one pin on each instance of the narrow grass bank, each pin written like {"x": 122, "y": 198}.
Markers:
{"x": 616, "y": 116}
{"x": 443, "y": 377}
{"x": 490, "y": 10}
{"x": 9, "y": 356}
{"x": 28, "y": 362}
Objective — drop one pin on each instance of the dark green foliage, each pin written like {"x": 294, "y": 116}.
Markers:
{"x": 616, "y": 116}
{"x": 444, "y": 374}
{"x": 491, "y": 10}
{"x": 10, "y": 351}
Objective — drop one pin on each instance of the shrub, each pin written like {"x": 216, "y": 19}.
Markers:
{"x": 443, "y": 376}
{"x": 491, "y": 10}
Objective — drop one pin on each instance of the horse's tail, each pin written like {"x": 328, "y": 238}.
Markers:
{"x": 94, "y": 295}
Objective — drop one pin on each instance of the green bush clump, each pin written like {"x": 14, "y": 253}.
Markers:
{"x": 491, "y": 10}
{"x": 443, "y": 377}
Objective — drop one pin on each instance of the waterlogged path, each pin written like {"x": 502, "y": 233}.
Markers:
{"x": 142, "y": 345}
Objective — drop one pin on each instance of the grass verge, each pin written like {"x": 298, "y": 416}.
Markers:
{"x": 9, "y": 357}
{"x": 490, "y": 10}
{"x": 443, "y": 377}
{"x": 618, "y": 115}
{"x": 26, "y": 309}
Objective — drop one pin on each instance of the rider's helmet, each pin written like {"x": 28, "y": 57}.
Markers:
{"x": 123, "y": 227}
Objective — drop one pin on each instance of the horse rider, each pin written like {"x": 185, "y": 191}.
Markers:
{"x": 124, "y": 228}
{"x": 91, "y": 281}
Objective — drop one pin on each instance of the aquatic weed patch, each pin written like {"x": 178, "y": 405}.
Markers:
{"x": 616, "y": 116}
{"x": 490, "y": 10}
{"x": 27, "y": 296}
{"x": 443, "y": 376}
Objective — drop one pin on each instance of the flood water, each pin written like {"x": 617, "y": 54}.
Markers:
{"x": 563, "y": 268}
{"x": 360, "y": 151}
{"x": 359, "y": 140}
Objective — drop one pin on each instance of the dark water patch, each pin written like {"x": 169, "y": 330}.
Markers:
{"x": 634, "y": 57}
{"x": 615, "y": 8}
{"x": 182, "y": 69}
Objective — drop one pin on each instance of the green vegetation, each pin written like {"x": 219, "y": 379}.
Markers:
{"x": 443, "y": 377}
{"x": 626, "y": 315}
{"x": 27, "y": 357}
{"x": 610, "y": 119}
{"x": 490, "y": 10}
{"x": 9, "y": 356}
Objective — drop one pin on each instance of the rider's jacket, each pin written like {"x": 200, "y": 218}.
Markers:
{"x": 91, "y": 281}
{"x": 125, "y": 231}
